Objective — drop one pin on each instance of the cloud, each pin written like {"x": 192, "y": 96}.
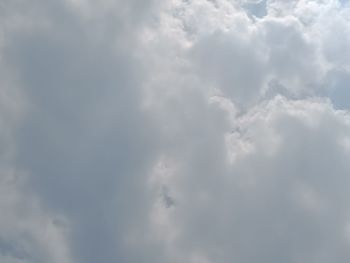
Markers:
{"x": 83, "y": 140}
{"x": 28, "y": 232}
{"x": 281, "y": 195}
{"x": 174, "y": 131}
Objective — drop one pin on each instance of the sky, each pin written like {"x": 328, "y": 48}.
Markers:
{"x": 174, "y": 131}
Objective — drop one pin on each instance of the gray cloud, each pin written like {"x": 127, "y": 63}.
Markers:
{"x": 143, "y": 131}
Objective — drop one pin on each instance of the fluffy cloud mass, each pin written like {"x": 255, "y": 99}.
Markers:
{"x": 197, "y": 131}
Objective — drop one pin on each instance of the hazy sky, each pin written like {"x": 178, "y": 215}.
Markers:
{"x": 174, "y": 131}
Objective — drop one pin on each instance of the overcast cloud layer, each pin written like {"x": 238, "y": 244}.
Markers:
{"x": 175, "y": 131}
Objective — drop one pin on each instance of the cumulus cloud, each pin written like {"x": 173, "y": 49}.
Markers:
{"x": 174, "y": 131}
{"x": 280, "y": 194}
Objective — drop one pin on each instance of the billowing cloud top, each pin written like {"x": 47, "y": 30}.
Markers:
{"x": 176, "y": 131}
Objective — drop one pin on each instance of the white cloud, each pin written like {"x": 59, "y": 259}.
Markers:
{"x": 174, "y": 131}
{"x": 283, "y": 200}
